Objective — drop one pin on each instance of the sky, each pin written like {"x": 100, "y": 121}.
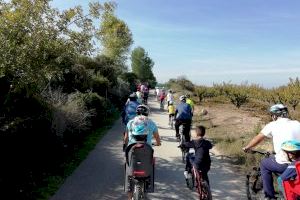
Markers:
{"x": 215, "y": 41}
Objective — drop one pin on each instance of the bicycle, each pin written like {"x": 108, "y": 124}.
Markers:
{"x": 171, "y": 121}
{"x": 181, "y": 141}
{"x": 254, "y": 185}
{"x": 196, "y": 181}
{"x": 162, "y": 103}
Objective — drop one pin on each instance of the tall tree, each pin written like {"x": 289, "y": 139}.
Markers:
{"x": 36, "y": 40}
{"x": 115, "y": 36}
{"x": 142, "y": 65}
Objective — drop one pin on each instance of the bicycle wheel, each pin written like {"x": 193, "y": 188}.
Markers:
{"x": 206, "y": 192}
{"x": 138, "y": 193}
{"x": 183, "y": 151}
{"x": 190, "y": 182}
{"x": 197, "y": 183}
{"x": 254, "y": 187}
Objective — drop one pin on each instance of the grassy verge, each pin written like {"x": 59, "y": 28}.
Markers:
{"x": 229, "y": 137}
{"x": 53, "y": 182}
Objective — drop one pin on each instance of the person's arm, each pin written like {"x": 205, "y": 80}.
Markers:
{"x": 189, "y": 144}
{"x": 157, "y": 138}
{"x": 125, "y": 140}
{"x": 289, "y": 173}
{"x": 255, "y": 141}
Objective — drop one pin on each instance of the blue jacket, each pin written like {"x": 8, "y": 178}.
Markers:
{"x": 183, "y": 112}
{"x": 129, "y": 111}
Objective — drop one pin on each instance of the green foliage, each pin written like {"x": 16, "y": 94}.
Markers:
{"x": 292, "y": 92}
{"x": 181, "y": 84}
{"x": 142, "y": 65}
{"x": 37, "y": 40}
{"x": 237, "y": 94}
{"x": 114, "y": 34}
{"x": 204, "y": 92}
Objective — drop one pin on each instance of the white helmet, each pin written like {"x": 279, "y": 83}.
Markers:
{"x": 182, "y": 98}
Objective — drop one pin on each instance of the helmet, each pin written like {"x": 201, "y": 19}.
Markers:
{"x": 278, "y": 110}
{"x": 142, "y": 110}
{"x": 170, "y": 102}
{"x": 291, "y": 145}
{"x": 170, "y": 91}
{"x": 182, "y": 98}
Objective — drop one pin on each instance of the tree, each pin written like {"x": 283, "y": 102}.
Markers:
{"x": 36, "y": 40}
{"x": 142, "y": 65}
{"x": 115, "y": 36}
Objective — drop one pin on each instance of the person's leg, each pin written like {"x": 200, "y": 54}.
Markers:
{"x": 177, "y": 124}
{"x": 186, "y": 130}
{"x": 188, "y": 165}
{"x": 205, "y": 176}
{"x": 267, "y": 166}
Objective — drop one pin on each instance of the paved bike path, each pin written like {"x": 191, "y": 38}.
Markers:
{"x": 100, "y": 175}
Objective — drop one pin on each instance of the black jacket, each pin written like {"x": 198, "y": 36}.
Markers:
{"x": 202, "y": 157}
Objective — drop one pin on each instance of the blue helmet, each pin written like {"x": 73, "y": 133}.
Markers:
{"x": 291, "y": 145}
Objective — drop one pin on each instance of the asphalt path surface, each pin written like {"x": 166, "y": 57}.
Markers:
{"x": 100, "y": 176}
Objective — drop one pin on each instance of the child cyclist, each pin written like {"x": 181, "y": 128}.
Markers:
{"x": 171, "y": 111}
{"x": 201, "y": 160}
{"x": 292, "y": 149}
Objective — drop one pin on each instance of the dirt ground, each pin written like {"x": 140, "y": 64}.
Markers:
{"x": 226, "y": 115}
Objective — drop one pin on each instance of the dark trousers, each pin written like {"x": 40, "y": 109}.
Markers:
{"x": 186, "y": 128}
{"x": 267, "y": 166}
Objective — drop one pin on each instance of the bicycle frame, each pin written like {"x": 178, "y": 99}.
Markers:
{"x": 254, "y": 179}
{"x": 202, "y": 186}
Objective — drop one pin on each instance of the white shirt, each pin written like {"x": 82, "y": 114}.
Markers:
{"x": 170, "y": 97}
{"x": 281, "y": 130}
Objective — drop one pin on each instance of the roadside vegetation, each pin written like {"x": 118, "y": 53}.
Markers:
{"x": 244, "y": 108}
{"x": 63, "y": 80}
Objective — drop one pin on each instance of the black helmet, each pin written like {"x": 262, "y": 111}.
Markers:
{"x": 142, "y": 110}
{"x": 278, "y": 110}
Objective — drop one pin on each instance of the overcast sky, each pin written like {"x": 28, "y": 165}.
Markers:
{"x": 211, "y": 41}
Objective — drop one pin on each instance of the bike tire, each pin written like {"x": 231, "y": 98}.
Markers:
{"x": 138, "y": 193}
{"x": 190, "y": 182}
{"x": 252, "y": 195}
{"x": 183, "y": 151}
{"x": 198, "y": 183}
{"x": 206, "y": 192}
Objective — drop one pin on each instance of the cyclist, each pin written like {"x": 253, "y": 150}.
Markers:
{"x": 190, "y": 102}
{"x": 183, "y": 116}
{"x": 139, "y": 96}
{"x": 292, "y": 149}
{"x": 158, "y": 91}
{"x": 201, "y": 160}
{"x": 170, "y": 96}
{"x": 171, "y": 111}
{"x": 145, "y": 92}
{"x": 281, "y": 129}
{"x": 162, "y": 97}
{"x": 140, "y": 125}
{"x": 129, "y": 111}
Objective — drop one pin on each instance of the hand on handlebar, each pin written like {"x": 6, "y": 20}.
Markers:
{"x": 155, "y": 144}
{"x": 246, "y": 150}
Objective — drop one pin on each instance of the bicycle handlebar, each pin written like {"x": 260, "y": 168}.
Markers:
{"x": 265, "y": 153}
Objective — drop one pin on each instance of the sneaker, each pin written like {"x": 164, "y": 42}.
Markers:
{"x": 186, "y": 173}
